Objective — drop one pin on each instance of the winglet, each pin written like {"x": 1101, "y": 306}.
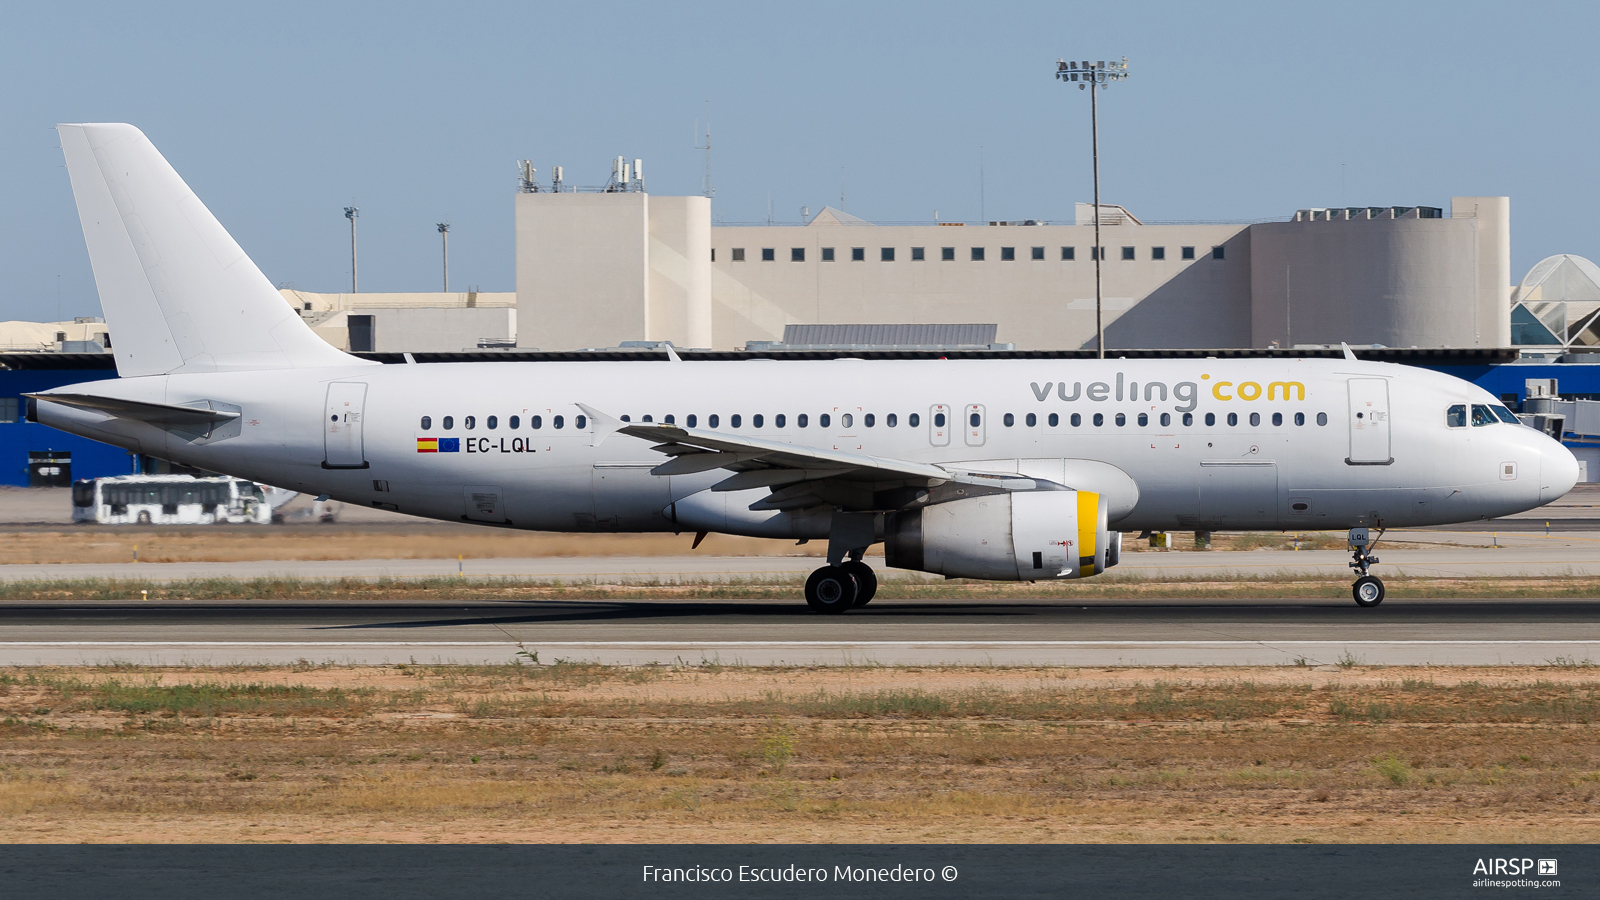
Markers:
{"x": 672, "y": 354}
{"x": 604, "y": 426}
{"x": 1348, "y": 353}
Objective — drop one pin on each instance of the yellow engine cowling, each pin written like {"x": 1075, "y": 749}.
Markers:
{"x": 1021, "y": 536}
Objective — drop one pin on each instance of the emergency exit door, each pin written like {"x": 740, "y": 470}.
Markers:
{"x": 341, "y": 426}
{"x": 1369, "y": 422}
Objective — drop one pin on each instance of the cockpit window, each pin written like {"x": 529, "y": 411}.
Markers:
{"x": 1481, "y": 416}
{"x": 1456, "y": 416}
{"x": 1506, "y": 415}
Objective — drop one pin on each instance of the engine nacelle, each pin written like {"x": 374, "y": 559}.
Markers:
{"x": 1020, "y": 536}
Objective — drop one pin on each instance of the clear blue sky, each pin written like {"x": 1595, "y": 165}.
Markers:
{"x": 281, "y": 114}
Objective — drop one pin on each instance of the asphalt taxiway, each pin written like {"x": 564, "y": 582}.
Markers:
{"x": 760, "y": 632}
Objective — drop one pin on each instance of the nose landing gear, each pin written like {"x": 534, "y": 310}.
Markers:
{"x": 1368, "y": 589}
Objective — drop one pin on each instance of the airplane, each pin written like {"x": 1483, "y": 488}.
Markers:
{"x": 1003, "y": 469}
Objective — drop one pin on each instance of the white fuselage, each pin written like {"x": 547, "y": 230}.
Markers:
{"x": 1400, "y": 464}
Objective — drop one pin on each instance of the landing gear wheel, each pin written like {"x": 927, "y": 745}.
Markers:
{"x": 866, "y": 581}
{"x": 831, "y": 589}
{"x": 1368, "y": 590}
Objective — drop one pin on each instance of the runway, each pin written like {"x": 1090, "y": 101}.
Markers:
{"x": 1150, "y": 633}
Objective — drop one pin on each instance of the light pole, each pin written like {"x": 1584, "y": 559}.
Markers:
{"x": 444, "y": 234}
{"x": 1094, "y": 76}
{"x": 350, "y": 212}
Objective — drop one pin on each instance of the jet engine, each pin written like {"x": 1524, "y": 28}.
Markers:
{"x": 1019, "y": 536}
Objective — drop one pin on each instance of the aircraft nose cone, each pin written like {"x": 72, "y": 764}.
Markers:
{"x": 1558, "y": 471}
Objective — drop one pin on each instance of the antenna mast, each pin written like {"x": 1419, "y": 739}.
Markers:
{"x": 707, "y": 190}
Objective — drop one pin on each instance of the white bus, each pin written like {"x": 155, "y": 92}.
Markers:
{"x": 169, "y": 500}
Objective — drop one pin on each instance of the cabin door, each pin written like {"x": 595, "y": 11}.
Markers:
{"x": 1369, "y": 422}
{"x": 341, "y": 426}
{"x": 939, "y": 425}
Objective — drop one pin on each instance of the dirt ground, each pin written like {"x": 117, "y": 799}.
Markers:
{"x": 556, "y": 753}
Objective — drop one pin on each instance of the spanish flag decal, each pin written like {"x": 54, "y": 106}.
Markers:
{"x": 427, "y": 445}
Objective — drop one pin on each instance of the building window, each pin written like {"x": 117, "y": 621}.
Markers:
{"x": 1188, "y": 253}
{"x": 886, "y": 254}
{"x": 1216, "y": 253}
{"x": 1097, "y": 253}
{"x": 858, "y": 254}
{"x": 1008, "y": 254}
{"x": 797, "y": 254}
{"x": 738, "y": 254}
{"x": 827, "y": 254}
{"x": 977, "y": 254}
{"x": 1127, "y": 253}
{"x": 362, "y": 333}
{"x": 1158, "y": 253}
{"x": 1069, "y": 253}
{"x": 918, "y": 254}
{"x": 948, "y": 254}
{"x": 768, "y": 254}
{"x": 1038, "y": 253}
{"x": 713, "y": 254}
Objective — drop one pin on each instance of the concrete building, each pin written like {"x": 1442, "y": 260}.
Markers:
{"x": 596, "y": 269}
{"x": 416, "y": 322}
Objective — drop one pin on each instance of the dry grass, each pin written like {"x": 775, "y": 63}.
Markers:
{"x": 590, "y": 753}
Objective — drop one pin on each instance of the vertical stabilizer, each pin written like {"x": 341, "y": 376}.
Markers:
{"x": 178, "y": 292}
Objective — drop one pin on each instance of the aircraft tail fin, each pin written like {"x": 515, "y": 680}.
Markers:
{"x": 179, "y": 294}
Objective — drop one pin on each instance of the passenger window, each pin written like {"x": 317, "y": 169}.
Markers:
{"x": 1322, "y": 418}
{"x": 735, "y": 420}
{"x": 711, "y": 420}
{"x": 824, "y": 420}
{"x": 938, "y": 420}
{"x": 802, "y": 420}
{"x": 1233, "y": 418}
{"x": 470, "y": 422}
{"x": 1032, "y": 420}
{"x": 1143, "y": 420}
{"x": 1188, "y": 418}
{"x": 514, "y": 424}
{"x": 536, "y": 422}
{"x": 558, "y": 422}
{"x": 648, "y": 418}
{"x": 847, "y": 421}
{"x": 974, "y": 420}
{"x": 1299, "y": 418}
{"x": 869, "y": 420}
{"x": 914, "y": 419}
{"x": 692, "y": 420}
{"x": 626, "y": 417}
{"x": 493, "y": 422}
{"x": 891, "y": 420}
{"x": 1277, "y": 419}
{"x": 1255, "y": 419}
{"x": 427, "y": 422}
{"x": 757, "y": 420}
{"x": 670, "y": 419}
{"x": 1481, "y": 416}
{"x": 1121, "y": 420}
{"x": 1055, "y": 420}
{"x": 1076, "y": 419}
{"x": 1099, "y": 420}
{"x": 780, "y": 420}
{"x": 1456, "y": 416}
{"x": 1211, "y": 419}
{"x": 579, "y": 422}
{"x": 449, "y": 422}
{"x": 1009, "y": 419}
{"x": 1166, "y": 419}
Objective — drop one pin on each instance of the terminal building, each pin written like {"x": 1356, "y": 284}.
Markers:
{"x": 611, "y": 272}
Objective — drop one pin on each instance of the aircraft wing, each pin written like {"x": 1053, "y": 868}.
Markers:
{"x": 155, "y": 413}
{"x": 801, "y": 477}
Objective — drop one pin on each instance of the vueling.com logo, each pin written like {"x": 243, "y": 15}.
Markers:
{"x": 1185, "y": 392}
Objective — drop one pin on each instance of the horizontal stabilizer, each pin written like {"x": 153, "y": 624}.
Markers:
{"x": 162, "y": 414}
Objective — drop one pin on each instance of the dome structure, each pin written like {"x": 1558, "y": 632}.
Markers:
{"x": 1558, "y": 304}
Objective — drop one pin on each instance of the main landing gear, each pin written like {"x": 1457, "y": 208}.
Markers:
{"x": 836, "y": 589}
{"x": 1368, "y": 589}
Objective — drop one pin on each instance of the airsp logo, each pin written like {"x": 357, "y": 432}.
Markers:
{"x": 1498, "y": 866}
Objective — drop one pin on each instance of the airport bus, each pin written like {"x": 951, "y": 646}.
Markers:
{"x": 169, "y": 500}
